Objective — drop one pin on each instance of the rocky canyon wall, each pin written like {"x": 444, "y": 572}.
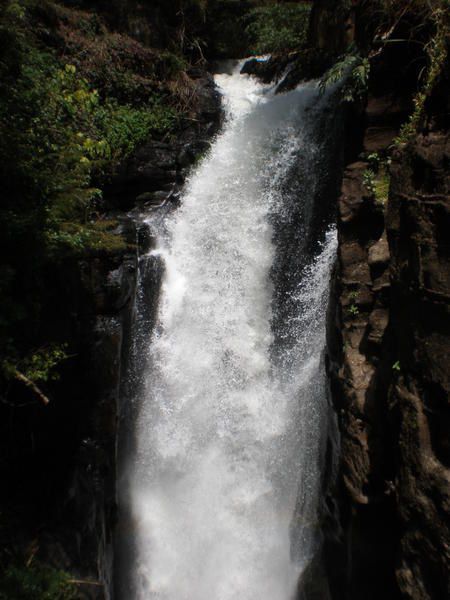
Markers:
{"x": 389, "y": 351}
{"x": 58, "y": 461}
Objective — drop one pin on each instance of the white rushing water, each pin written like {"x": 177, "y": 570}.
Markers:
{"x": 228, "y": 436}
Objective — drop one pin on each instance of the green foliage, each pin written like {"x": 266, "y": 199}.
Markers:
{"x": 69, "y": 133}
{"x": 61, "y": 138}
{"x": 36, "y": 582}
{"x": 57, "y": 134}
{"x": 15, "y": 10}
{"x": 353, "y": 310}
{"x": 122, "y": 128}
{"x": 353, "y": 71}
{"x": 278, "y": 27}
{"x": 116, "y": 65}
{"x": 381, "y": 187}
{"x": 387, "y": 13}
{"x": 376, "y": 178}
{"x": 377, "y": 184}
{"x": 55, "y": 161}
{"x": 42, "y": 365}
{"x": 374, "y": 160}
{"x": 81, "y": 239}
{"x": 225, "y": 31}
{"x": 172, "y": 63}
{"x": 437, "y": 54}
{"x": 369, "y": 181}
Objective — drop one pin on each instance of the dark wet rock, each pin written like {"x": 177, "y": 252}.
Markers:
{"x": 192, "y": 152}
{"x": 208, "y": 107}
{"x": 185, "y": 158}
{"x": 146, "y": 240}
{"x": 378, "y": 255}
{"x": 387, "y": 110}
{"x": 419, "y": 395}
{"x": 379, "y": 138}
{"x": 289, "y": 70}
{"x": 108, "y": 302}
{"x": 378, "y": 322}
{"x": 360, "y": 216}
{"x": 73, "y": 497}
{"x": 306, "y": 65}
{"x": 389, "y": 371}
{"x": 146, "y": 197}
{"x": 153, "y": 199}
{"x": 313, "y": 584}
{"x": 358, "y": 328}
{"x": 266, "y": 70}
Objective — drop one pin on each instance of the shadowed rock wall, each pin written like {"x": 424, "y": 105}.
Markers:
{"x": 389, "y": 353}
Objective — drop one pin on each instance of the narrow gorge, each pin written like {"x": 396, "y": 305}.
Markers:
{"x": 224, "y": 300}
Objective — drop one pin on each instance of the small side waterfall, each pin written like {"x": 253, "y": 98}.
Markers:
{"x": 223, "y": 477}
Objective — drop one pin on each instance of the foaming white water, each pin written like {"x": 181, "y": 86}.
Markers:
{"x": 219, "y": 459}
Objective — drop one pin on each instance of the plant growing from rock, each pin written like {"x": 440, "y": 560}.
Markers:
{"x": 353, "y": 310}
{"x": 437, "y": 48}
{"x": 352, "y": 72}
{"x": 376, "y": 178}
{"x": 369, "y": 181}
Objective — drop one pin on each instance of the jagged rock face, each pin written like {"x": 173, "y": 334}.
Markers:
{"x": 61, "y": 486}
{"x": 388, "y": 352}
{"x": 418, "y": 221}
{"x": 98, "y": 298}
{"x": 363, "y": 539}
{"x": 387, "y": 526}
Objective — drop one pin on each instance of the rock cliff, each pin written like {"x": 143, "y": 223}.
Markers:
{"x": 388, "y": 353}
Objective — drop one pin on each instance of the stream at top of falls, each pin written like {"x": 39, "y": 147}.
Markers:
{"x": 229, "y": 434}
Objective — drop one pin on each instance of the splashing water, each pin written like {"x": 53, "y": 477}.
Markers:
{"x": 229, "y": 428}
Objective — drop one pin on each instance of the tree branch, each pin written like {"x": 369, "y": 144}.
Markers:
{"x": 31, "y": 386}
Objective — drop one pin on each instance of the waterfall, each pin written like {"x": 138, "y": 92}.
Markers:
{"x": 228, "y": 435}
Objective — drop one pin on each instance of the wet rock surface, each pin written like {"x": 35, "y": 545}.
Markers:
{"x": 287, "y": 71}
{"x": 359, "y": 331}
{"x": 388, "y": 365}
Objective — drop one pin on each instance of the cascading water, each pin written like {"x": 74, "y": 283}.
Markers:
{"x": 225, "y": 474}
